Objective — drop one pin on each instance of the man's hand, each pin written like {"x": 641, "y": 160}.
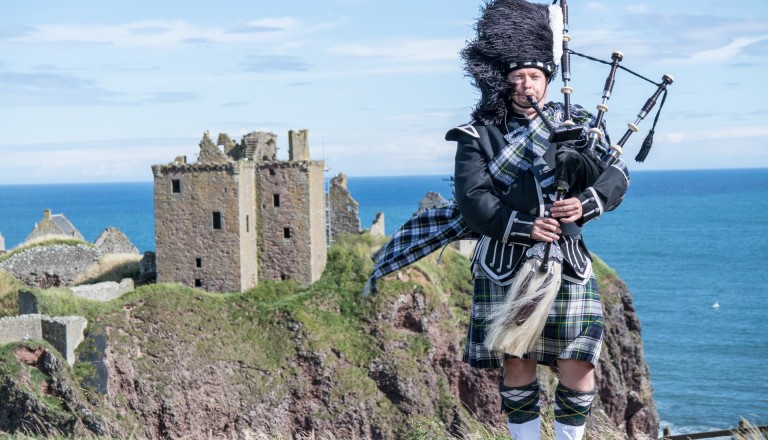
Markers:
{"x": 545, "y": 229}
{"x": 568, "y": 210}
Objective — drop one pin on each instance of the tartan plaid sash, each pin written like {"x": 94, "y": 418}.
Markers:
{"x": 526, "y": 145}
{"x": 429, "y": 231}
{"x": 418, "y": 237}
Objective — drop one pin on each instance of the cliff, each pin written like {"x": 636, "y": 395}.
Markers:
{"x": 284, "y": 359}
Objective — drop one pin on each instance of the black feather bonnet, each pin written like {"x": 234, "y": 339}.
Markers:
{"x": 511, "y": 34}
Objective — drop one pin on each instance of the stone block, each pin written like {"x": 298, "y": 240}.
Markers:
{"x": 20, "y": 328}
{"x": 27, "y": 302}
{"x": 65, "y": 333}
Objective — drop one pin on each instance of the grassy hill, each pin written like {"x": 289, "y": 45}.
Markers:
{"x": 279, "y": 359}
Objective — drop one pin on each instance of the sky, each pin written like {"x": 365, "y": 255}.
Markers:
{"x": 94, "y": 91}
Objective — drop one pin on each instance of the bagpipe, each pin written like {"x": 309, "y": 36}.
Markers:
{"x": 516, "y": 325}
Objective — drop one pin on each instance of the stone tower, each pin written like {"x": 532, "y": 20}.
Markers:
{"x": 205, "y": 220}
{"x": 291, "y": 211}
{"x": 238, "y": 215}
{"x": 298, "y": 146}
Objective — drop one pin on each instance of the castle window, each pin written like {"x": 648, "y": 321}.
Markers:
{"x": 276, "y": 199}
{"x": 271, "y": 172}
{"x": 176, "y": 185}
{"x": 198, "y": 282}
{"x": 286, "y": 232}
{"x": 247, "y": 224}
{"x": 198, "y": 262}
{"x": 216, "y": 220}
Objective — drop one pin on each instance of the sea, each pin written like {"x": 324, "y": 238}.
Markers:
{"x": 691, "y": 246}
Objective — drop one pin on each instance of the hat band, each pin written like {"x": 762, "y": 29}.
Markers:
{"x": 548, "y": 68}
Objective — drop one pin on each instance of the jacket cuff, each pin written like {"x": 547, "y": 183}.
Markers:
{"x": 519, "y": 229}
{"x": 591, "y": 206}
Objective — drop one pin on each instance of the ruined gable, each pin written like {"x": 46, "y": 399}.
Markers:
{"x": 54, "y": 224}
{"x": 210, "y": 153}
{"x": 114, "y": 241}
{"x": 228, "y": 146}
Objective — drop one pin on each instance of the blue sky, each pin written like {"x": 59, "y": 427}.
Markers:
{"x": 94, "y": 91}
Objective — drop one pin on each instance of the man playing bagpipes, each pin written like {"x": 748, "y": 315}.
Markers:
{"x": 526, "y": 180}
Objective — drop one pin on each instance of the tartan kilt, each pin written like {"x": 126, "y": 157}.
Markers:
{"x": 574, "y": 328}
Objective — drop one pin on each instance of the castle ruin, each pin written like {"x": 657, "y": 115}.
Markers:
{"x": 54, "y": 225}
{"x": 238, "y": 215}
{"x": 343, "y": 217}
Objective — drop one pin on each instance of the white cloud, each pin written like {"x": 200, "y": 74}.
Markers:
{"x": 724, "y": 53}
{"x": 166, "y": 33}
{"x": 404, "y": 50}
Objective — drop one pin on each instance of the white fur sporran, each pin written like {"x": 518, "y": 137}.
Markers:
{"x": 515, "y": 326}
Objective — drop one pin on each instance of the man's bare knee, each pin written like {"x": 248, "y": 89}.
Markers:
{"x": 577, "y": 375}
{"x": 519, "y": 372}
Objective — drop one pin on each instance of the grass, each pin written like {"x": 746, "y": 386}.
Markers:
{"x": 112, "y": 267}
{"x": 9, "y": 298}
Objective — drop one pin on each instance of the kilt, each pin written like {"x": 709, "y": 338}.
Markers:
{"x": 574, "y": 328}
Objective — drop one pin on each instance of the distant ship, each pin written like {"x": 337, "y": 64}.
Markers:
{"x": 716, "y": 305}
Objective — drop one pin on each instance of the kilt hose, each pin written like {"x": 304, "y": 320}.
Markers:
{"x": 574, "y": 328}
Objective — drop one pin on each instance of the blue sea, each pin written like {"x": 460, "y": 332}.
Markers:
{"x": 681, "y": 240}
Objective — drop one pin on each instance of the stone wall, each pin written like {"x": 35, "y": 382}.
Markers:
{"x": 197, "y": 224}
{"x": 343, "y": 215}
{"x": 27, "y": 302}
{"x": 106, "y": 291}
{"x": 114, "y": 241}
{"x": 65, "y": 333}
{"x": 377, "y": 227}
{"x": 259, "y": 146}
{"x": 20, "y": 328}
{"x": 56, "y": 265}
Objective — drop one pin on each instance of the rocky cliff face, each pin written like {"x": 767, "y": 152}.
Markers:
{"x": 623, "y": 377}
{"x": 186, "y": 363}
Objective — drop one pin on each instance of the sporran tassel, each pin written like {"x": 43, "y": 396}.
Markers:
{"x": 515, "y": 326}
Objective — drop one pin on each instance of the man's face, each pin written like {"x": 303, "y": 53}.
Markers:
{"x": 528, "y": 81}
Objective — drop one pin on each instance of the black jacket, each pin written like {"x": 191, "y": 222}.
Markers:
{"x": 505, "y": 215}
